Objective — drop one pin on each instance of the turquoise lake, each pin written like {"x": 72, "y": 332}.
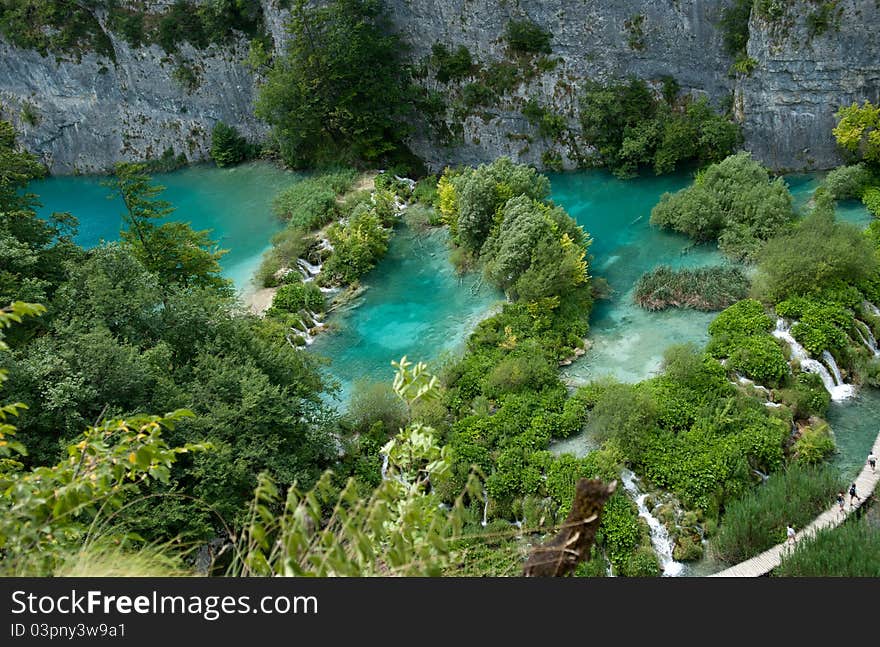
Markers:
{"x": 234, "y": 203}
{"x": 416, "y": 305}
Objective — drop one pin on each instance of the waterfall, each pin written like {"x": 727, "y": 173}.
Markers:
{"x": 742, "y": 379}
{"x": 874, "y": 310}
{"x": 841, "y": 390}
{"x": 838, "y": 390}
{"x": 384, "y": 466}
{"x": 485, "y": 507}
{"x": 867, "y": 337}
{"x": 309, "y": 271}
{"x": 663, "y": 545}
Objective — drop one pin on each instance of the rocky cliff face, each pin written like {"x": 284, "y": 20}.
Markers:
{"x": 83, "y": 116}
{"x": 804, "y": 71}
{"x": 592, "y": 39}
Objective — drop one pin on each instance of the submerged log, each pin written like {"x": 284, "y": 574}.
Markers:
{"x": 559, "y": 556}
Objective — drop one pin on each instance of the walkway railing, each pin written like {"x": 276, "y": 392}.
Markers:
{"x": 770, "y": 559}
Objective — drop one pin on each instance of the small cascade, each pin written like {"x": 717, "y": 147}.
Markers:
{"x": 663, "y": 545}
{"x": 870, "y": 307}
{"x": 742, "y": 379}
{"x": 867, "y": 337}
{"x": 837, "y": 389}
{"x": 485, "y": 508}
{"x": 308, "y": 270}
{"x": 384, "y": 466}
{"x": 325, "y": 245}
{"x": 841, "y": 390}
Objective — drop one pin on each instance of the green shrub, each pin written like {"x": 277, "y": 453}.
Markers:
{"x": 814, "y": 445}
{"x": 528, "y": 37}
{"x": 760, "y": 358}
{"x": 450, "y": 66}
{"x": 629, "y": 128}
{"x": 425, "y": 191}
{"x": 747, "y": 317}
{"x": 820, "y": 253}
{"x": 502, "y": 77}
{"x": 619, "y": 532}
{"x": 228, "y": 147}
{"x": 477, "y": 94}
{"x": 357, "y": 246}
{"x": 311, "y": 202}
{"x": 293, "y": 297}
{"x": 518, "y": 373}
{"x": 376, "y": 402}
{"x": 848, "y": 182}
{"x": 871, "y": 200}
{"x": 735, "y": 26}
{"x": 807, "y": 396}
{"x": 733, "y": 201}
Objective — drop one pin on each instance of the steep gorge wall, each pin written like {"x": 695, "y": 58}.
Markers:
{"x": 802, "y": 77}
{"x": 593, "y": 39}
{"x": 94, "y": 112}
{"x": 90, "y": 113}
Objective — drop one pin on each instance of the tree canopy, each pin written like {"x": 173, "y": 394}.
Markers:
{"x": 339, "y": 93}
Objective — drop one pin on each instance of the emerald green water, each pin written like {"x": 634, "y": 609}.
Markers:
{"x": 414, "y": 305}
{"x": 628, "y": 342}
{"x": 234, "y": 203}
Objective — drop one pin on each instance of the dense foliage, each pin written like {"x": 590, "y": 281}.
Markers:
{"x": 69, "y": 27}
{"x": 741, "y": 334}
{"x": 852, "y": 550}
{"x": 339, "y": 93}
{"x": 757, "y": 521}
{"x": 172, "y": 251}
{"x": 357, "y": 245}
{"x": 311, "y": 202}
{"x": 733, "y": 201}
{"x": 858, "y": 131}
{"x": 630, "y": 128}
{"x": 819, "y": 252}
{"x": 527, "y": 36}
{"x": 148, "y": 325}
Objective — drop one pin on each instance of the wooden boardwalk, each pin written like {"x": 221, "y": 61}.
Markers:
{"x": 770, "y": 559}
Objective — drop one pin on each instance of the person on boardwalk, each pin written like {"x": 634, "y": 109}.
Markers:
{"x": 840, "y": 501}
{"x": 872, "y": 460}
{"x": 790, "y": 534}
{"x": 853, "y": 494}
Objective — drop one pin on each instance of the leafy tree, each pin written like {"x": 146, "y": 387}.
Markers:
{"x": 228, "y": 148}
{"x": 172, "y": 250}
{"x": 528, "y": 37}
{"x": 538, "y": 251}
{"x": 357, "y": 246}
{"x": 339, "y": 93}
{"x": 734, "y": 201}
{"x": 630, "y": 127}
{"x": 848, "y": 182}
{"x": 858, "y": 131}
{"x": 480, "y": 193}
{"x": 33, "y": 250}
{"x": 817, "y": 254}
{"x": 398, "y": 529}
